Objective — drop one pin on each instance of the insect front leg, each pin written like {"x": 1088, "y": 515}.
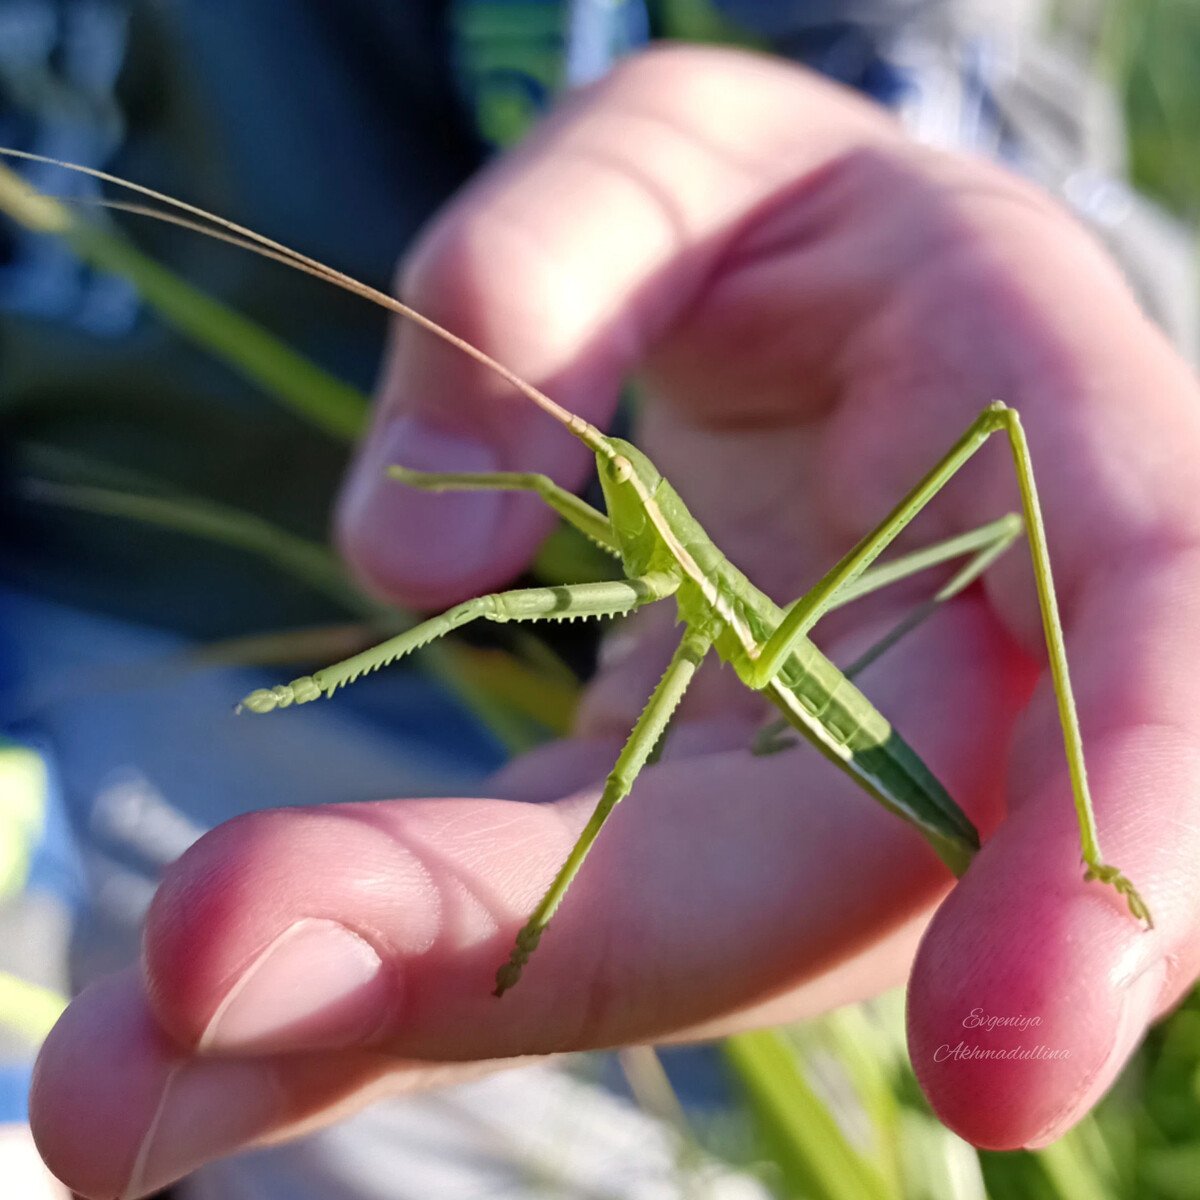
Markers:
{"x": 564, "y": 602}
{"x": 649, "y": 727}
{"x": 589, "y": 521}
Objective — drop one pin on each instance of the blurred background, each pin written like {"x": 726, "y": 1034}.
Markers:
{"x": 175, "y": 417}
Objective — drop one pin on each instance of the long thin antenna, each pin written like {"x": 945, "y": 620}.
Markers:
{"x": 257, "y": 243}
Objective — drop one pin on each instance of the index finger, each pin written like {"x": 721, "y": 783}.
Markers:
{"x": 567, "y": 261}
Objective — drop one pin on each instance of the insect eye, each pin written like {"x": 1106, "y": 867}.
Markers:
{"x": 622, "y": 470}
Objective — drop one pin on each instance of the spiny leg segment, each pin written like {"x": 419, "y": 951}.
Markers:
{"x": 564, "y": 602}
{"x": 646, "y": 732}
{"x": 806, "y": 611}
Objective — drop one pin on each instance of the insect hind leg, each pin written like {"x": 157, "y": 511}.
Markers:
{"x": 804, "y": 613}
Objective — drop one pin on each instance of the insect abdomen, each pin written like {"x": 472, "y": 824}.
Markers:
{"x": 829, "y": 697}
{"x": 849, "y": 730}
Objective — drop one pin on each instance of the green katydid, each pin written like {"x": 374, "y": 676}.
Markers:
{"x": 664, "y": 553}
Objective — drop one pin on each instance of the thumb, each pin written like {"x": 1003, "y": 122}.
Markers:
{"x": 565, "y": 261}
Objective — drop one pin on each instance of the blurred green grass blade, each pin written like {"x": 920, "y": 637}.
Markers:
{"x": 805, "y": 1141}
{"x": 512, "y": 699}
{"x": 1171, "y": 1172}
{"x": 858, "y": 1055}
{"x": 566, "y": 556}
{"x": 279, "y": 648}
{"x": 538, "y": 654}
{"x": 512, "y": 714}
{"x": 1150, "y": 49}
{"x": 307, "y": 561}
{"x": 702, "y": 21}
{"x": 936, "y": 1164}
{"x": 293, "y": 380}
{"x": 44, "y": 460}
{"x": 861, "y": 1045}
{"x": 551, "y": 703}
{"x": 1077, "y": 1163}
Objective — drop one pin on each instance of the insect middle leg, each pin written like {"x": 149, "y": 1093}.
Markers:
{"x": 645, "y": 734}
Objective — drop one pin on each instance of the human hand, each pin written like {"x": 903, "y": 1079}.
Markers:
{"x": 818, "y": 307}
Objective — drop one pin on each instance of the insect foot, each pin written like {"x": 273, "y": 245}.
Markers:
{"x": 265, "y": 700}
{"x": 1115, "y": 878}
{"x": 527, "y": 941}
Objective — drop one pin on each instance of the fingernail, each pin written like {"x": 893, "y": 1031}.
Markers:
{"x": 1138, "y": 1007}
{"x": 317, "y": 986}
{"x": 206, "y": 1110}
{"x": 398, "y": 534}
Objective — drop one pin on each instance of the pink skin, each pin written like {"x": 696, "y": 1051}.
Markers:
{"x": 819, "y": 307}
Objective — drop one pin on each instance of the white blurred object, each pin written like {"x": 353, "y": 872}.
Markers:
{"x": 990, "y": 76}
{"x": 536, "y": 1131}
{"x": 24, "y": 1175}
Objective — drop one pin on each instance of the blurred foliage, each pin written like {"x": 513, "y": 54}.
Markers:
{"x": 834, "y": 1110}
{"x": 1150, "y": 49}
{"x": 518, "y": 700}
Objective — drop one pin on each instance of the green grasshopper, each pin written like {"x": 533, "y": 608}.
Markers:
{"x": 665, "y": 553}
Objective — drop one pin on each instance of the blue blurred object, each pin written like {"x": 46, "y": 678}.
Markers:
{"x": 61, "y": 63}
{"x": 14, "y": 1092}
{"x": 598, "y": 33}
